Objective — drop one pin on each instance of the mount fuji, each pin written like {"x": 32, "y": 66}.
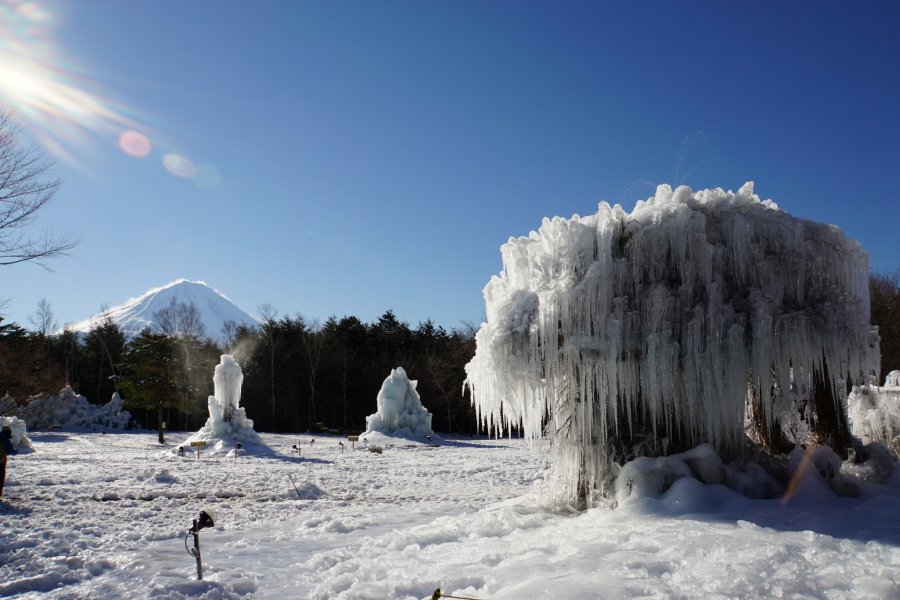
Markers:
{"x": 136, "y": 313}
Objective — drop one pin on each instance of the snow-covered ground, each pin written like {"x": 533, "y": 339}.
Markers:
{"x": 90, "y": 515}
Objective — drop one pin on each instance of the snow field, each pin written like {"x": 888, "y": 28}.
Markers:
{"x": 104, "y": 516}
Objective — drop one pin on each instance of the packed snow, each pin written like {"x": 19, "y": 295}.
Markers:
{"x": 400, "y": 412}
{"x": 90, "y": 515}
{"x": 621, "y": 330}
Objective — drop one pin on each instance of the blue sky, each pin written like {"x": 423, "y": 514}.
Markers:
{"x": 350, "y": 157}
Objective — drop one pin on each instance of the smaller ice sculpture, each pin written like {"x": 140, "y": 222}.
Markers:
{"x": 224, "y": 404}
{"x": 228, "y": 423}
{"x": 400, "y": 411}
{"x": 875, "y": 412}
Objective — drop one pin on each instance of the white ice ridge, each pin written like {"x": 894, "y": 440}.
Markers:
{"x": 400, "y": 410}
{"x": 657, "y": 322}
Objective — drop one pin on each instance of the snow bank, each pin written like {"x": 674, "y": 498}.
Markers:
{"x": 400, "y": 411}
{"x": 68, "y": 410}
{"x": 647, "y": 329}
{"x": 227, "y": 424}
{"x": 874, "y": 412}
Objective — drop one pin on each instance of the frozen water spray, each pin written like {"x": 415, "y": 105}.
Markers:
{"x": 621, "y": 334}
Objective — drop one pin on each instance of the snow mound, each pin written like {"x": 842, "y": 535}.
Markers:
{"x": 19, "y": 430}
{"x": 400, "y": 411}
{"x": 812, "y": 475}
{"x": 656, "y": 329}
{"x": 874, "y": 412}
{"x": 71, "y": 411}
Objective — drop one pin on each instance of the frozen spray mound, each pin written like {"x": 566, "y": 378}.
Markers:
{"x": 400, "y": 411}
{"x": 228, "y": 424}
{"x": 646, "y": 332}
{"x": 71, "y": 411}
{"x": 875, "y": 412}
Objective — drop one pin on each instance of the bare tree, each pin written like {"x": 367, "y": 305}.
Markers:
{"x": 312, "y": 344}
{"x": 229, "y": 333}
{"x": 268, "y": 314}
{"x": 42, "y": 318}
{"x": 180, "y": 320}
{"x": 25, "y": 188}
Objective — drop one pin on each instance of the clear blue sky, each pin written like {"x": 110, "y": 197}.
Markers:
{"x": 352, "y": 157}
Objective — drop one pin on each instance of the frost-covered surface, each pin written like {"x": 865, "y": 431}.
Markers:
{"x": 400, "y": 411}
{"x": 227, "y": 424}
{"x": 71, "y": 411}
{"x": 136, "y": 313}
{"x": 104, "y": 516}
{"x": 648, "y": 327}
{"x": 19, "y": 431}
{"x": 874, "y": 412}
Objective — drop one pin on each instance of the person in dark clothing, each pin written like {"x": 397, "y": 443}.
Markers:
{"x": 6, "y": 448}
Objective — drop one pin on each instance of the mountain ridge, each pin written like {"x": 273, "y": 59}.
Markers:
{"x": 136, "y": 313}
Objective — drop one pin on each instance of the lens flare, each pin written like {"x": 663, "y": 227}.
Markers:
{"x": 179, "y": 165}
{"x": 134, "y": 143}
{"x": 62, "y": 106}
{"x": 207, "y": 177}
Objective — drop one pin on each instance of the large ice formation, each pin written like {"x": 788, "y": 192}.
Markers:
{"x": 400, "y": 411}
{"x": 227, "y": 423}
{"x": 622, "y": 334}
{"x": 875, "y": 412}
{"x": 71, "y": 411}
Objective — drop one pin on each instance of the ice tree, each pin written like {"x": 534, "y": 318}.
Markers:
{"x": 686, "y": 321}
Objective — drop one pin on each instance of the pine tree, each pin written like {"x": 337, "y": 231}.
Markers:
{"x": 151, "y": 375}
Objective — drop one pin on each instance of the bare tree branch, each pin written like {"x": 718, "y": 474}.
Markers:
{"x": 25, "y": 188}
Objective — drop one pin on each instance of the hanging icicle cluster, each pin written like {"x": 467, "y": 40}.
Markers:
{"x": 666, "y": 327}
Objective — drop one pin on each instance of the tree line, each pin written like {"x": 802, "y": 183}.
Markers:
{"x": 299, "y": 375}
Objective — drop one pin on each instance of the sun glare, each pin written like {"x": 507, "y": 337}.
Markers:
{"x": 65, "y": 110}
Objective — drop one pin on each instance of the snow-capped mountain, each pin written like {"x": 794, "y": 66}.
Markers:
{"x": 135, "y": 314}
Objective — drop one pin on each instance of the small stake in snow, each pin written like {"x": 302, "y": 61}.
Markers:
{"x": 296, "y": 489}
{"x": 181, "y": 451}
{"x": 341, "y": 444}
{"x": 205, "y": 520}
{"x": 437, "y": 595}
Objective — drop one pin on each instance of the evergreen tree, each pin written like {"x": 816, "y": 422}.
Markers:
{"x": 103, "y": 347}
{"x": 884, "y": 295}
{"x": 151, "y": 375}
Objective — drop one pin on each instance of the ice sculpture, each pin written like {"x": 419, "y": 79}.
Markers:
{"x": 622, "y": 334}
{"x": 228, "y": 423}
{"x": 400, "y": 410}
